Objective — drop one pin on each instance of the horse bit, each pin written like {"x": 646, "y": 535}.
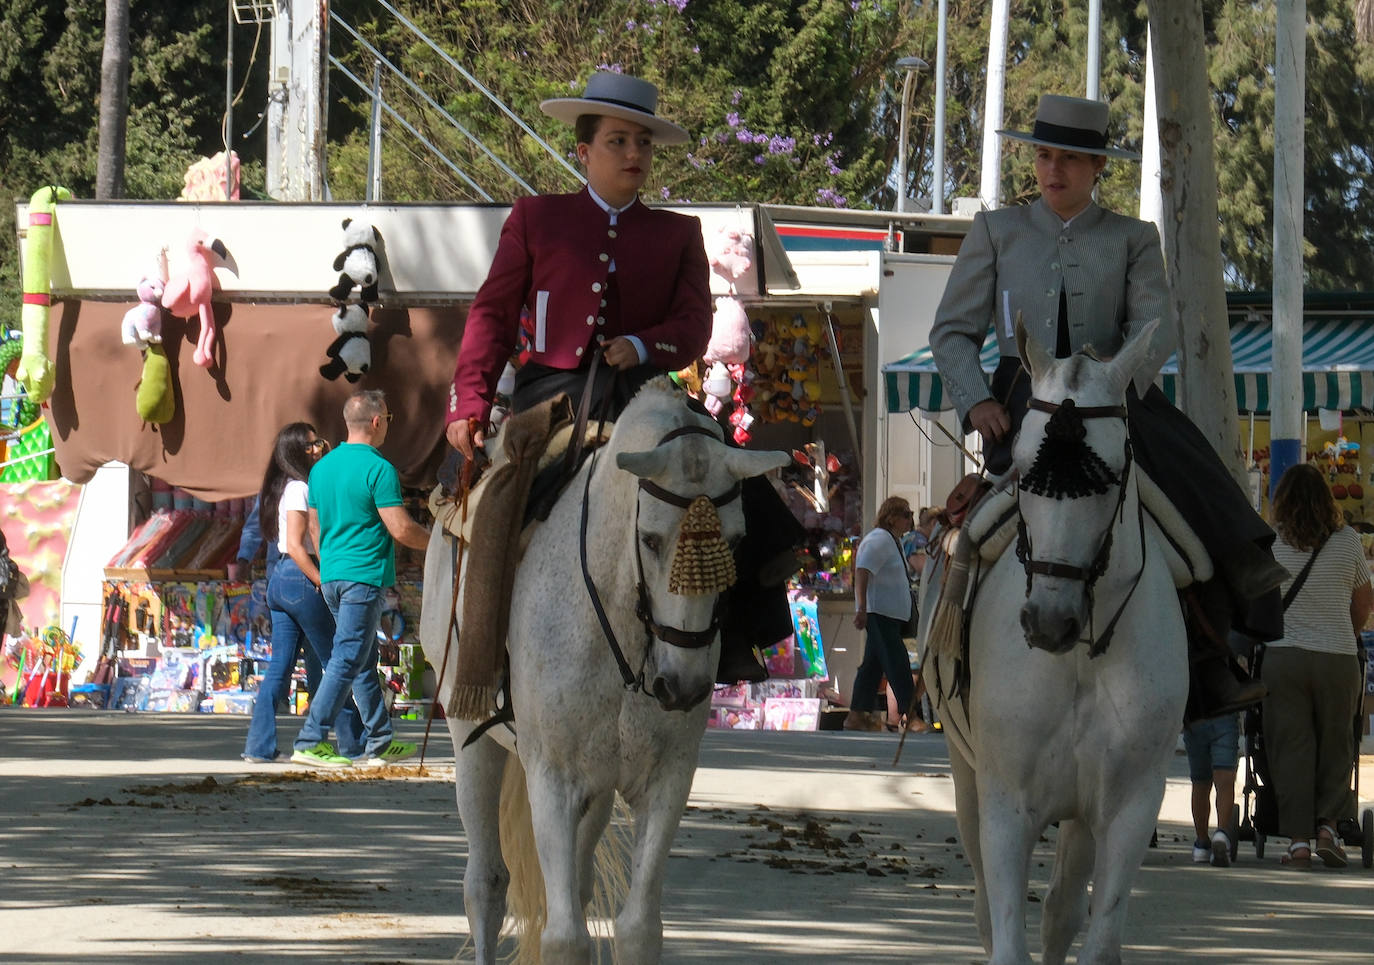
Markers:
{"x": 688, "y": 639}
{"x": 1066, "y": 429}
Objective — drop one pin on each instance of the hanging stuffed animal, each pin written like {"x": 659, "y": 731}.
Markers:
{"x": 350, "y": 355}
{"x": 35, "y": 369}
{"x": 188, "y": 294}
{"x": 142, "y": 324}
{"x": 357, "y": 263}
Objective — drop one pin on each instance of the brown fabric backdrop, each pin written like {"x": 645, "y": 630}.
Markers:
{"x": 266, "y": 374}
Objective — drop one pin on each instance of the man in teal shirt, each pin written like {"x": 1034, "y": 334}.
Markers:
{"x": 356, "y": 517}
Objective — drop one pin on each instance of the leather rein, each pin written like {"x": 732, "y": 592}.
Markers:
{"x": 1088, "y": 575}
{"x": 688, "y": 639}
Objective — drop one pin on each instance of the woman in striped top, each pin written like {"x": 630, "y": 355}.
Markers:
{"x": 1312, "y": 671}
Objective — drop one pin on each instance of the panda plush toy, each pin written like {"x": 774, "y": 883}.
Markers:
{"x": 350, "y": 354}
{"x": 357, "y": 263}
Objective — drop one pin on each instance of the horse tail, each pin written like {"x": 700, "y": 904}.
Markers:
{"x": 525, "y": 893}
{"x": 611, "y": 866}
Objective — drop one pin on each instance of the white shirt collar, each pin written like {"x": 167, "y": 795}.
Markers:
{"x": 606, "y": 206}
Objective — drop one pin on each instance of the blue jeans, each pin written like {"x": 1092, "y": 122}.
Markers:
{"x": 299, "y": 619}
{"x": 884, "y": 656}
{"x": 352, "y": 667}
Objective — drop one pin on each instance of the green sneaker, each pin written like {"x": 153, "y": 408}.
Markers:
{"x": 321, "y": 755}
{"x": 390, "y": 754}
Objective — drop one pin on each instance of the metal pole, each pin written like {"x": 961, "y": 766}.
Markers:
{"x": 901, "y": 143}
{"x": 843, "y": 383}
{"x": 229, "y": 104}
{"x": 1289, "y": 82}
{"x": 374, "y": 154}
{"x": 990, "y": 189}
{"x": 1094, "y": 47}
{"x": 937, "y": 177}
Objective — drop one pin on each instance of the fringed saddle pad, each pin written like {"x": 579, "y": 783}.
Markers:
{"x": 492, "y": 549}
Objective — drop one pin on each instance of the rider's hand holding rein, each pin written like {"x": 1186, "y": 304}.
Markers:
{"x": 991, "y": 419}
{"x": 464, "y": 435}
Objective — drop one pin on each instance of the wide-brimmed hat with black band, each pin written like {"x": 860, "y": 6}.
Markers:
{"x": 1071, "y": 124}
{"x": 618, "y": 95}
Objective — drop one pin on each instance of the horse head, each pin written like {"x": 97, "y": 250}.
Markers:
{"x": 1073, "y": 459}
{"x": 687, "y": 521}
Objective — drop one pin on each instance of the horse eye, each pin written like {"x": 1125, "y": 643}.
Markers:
{"x": 652, "y": 542}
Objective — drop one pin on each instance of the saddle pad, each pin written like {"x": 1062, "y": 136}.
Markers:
{"x": 1190, "y": 563}
{"x": 445, "y": 510}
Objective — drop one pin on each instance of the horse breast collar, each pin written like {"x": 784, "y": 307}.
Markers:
{"x": 691, "y": 639}
{"x": 1066, "y": 467}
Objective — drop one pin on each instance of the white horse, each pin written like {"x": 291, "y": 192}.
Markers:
{"x": 600, "y": 708}
{"x": 1049, "y": 725}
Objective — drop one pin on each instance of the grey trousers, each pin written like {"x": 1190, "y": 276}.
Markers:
{"x": 1309, "y": 734}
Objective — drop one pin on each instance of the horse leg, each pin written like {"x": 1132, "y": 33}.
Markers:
{"x": 966, "y": 813}
{"x": 1066, "y": 903}
{"x": 658, "y": 811}
{"x": 589, "y": 832}
{"x": 1007, "y": 833}
{"x": 477, "y": 775}
{"x": 557, "y": 809}
{"x": 1122, "y": 846}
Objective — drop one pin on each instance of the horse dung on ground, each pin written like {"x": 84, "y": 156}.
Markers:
{"x": 608, "y": 706}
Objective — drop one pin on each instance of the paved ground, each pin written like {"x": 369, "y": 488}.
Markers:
{"x": 144, "y": 839}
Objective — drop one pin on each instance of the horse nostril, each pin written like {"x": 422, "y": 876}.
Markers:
{"x": 663, "y": 692}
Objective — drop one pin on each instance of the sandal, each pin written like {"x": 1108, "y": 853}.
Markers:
{"x": 1299, "y": 856}
{"x": 1329, "y": 848}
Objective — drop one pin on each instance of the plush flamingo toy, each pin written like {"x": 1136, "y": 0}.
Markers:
{"x": 189, "y": 293}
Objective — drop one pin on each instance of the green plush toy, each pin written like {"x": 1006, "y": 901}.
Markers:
{"x": 35, "y": 368}
{"x": 155, "y": 400}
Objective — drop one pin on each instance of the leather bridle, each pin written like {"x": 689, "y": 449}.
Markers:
{"x": 1089, "y": 574}
{"x": 687, "y": 639}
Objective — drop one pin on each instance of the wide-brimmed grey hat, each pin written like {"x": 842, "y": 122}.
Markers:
{"x": 1072, "y": 124}
{"x": 617, "y": 95}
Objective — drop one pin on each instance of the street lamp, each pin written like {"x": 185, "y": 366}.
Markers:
{"x": 909, "y": 66}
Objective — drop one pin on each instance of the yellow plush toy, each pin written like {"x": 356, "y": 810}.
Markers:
{"x": 35, "y": 370}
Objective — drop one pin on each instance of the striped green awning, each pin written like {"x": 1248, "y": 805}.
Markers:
{"x": 1337, "y": 368}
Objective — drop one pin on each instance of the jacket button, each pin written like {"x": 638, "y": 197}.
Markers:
{"x": 1050, "y": 293}
{"x": 600, "y": 338}
{"x": 604, "y": 257}
{"x": 596, "y": 285}
{"x": 611, "y": 233}
{"x": 579, "y": 350}
{"x": 600, "y": 320}
{"x": 603, "y": 303}
{"x": 590, "y": 319}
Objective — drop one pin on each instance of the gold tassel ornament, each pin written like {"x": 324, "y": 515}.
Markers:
{"x": 702, "y": 561}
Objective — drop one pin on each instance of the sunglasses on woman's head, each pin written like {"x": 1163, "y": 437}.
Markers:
{"x": 319, "y": 445}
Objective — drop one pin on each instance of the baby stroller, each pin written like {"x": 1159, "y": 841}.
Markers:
{"x": 1260, "y": 821}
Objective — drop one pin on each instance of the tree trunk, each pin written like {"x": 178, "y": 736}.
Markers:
{"x": 1192, "y": 243}
{"x": 114, "y": 101}
{"x": 1364, "y": 21}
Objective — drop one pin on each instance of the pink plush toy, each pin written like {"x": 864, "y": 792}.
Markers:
{"x": 189, "y": 294}
{"x": 730, "y": 335}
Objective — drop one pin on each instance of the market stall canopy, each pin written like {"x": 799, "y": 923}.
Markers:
{"x": 1337, "y": 368}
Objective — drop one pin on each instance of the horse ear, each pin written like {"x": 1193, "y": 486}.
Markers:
{"x": 643, "y": 464}
{"x": 744, "y": 463}
{"x": 1035, "y": 358}
{"x": 1133, "y": 352}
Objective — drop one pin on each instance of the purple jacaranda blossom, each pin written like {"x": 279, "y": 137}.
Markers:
{"x": 732, "y": 118}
